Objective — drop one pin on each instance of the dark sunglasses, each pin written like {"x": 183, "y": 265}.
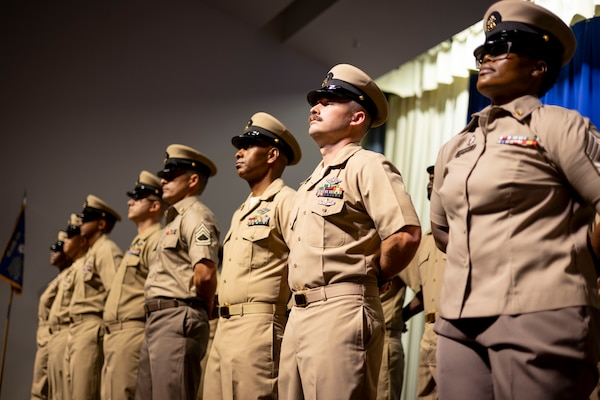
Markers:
{"x": 170, "y": 174}
{"x": 496, "y": 49}
{"x": 73, "y": 230}
{"x": 139, "y": 196}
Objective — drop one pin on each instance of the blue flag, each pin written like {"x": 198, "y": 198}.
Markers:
{"x": 11, "y": 265}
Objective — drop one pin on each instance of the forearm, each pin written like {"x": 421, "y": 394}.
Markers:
{"x": 440, "y": 234}
{"x": 414, "y": 307}
{"x": 205, "y": 281}
{"x": 398, "y": 250}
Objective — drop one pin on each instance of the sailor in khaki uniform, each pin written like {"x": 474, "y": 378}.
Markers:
{"x": 431, "y": 263}
{"x": 253, "y": 288}
{"x": 391, "y": 374}
{"x": 39, "y": 385}
{"x": 514, "y": 194}
{"x": 92, "y": 282}
{"x": 124, "y": 315}
{"x": 352, "y": 225}
{"x": 75, "y": 246}
{"x": 181, "y": 283}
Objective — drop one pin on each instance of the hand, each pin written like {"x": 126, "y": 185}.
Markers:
{"x": 385, "y": 287}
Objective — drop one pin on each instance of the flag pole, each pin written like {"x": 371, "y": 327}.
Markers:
{"x": 6, "y": 326}
{"x": 11, "y": 270}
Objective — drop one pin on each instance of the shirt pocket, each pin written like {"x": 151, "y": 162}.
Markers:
{"x": 322, "y": 229}
{"x": 170, "y": 242}
{"x": 87, "y": 270}
{"x": 257, "y": 239}
{"x": 131, "y": 263}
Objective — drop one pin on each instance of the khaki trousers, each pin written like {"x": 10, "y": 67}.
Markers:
{"x": 57, "y": 367}
{"x": 84, "y": 358}
{"x": 427, "y": 372}
{"x": 243, "y": 363}
{"x": 39, "y": 385}
{"x": 122, "y": 344}
{"x": 391, "y": 375}
{"x": 332, "y": 350}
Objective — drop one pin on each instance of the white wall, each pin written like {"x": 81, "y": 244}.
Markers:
{"x": 92, "y": 92}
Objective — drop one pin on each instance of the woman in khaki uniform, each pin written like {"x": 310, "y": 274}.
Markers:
{"x": 514, "y": 195}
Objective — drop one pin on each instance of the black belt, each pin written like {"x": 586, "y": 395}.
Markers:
{"x": 163, "y": 304}
{"x": 430, "y": 317}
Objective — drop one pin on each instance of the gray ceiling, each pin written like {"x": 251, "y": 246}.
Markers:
{"x": 375, "y": 35}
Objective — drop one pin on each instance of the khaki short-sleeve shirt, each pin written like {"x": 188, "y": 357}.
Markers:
{"x": 125, "y": 301}
{"x": 59, "y": 311}
{"x": 190, "y": 235}
{"x": 95, "y": 276}
{"x": 340, "y": 216}
{"x": 47, "y": 298}
{"x": 255, "y": 252}
{"x": 514, "y": 189}
{"x": 431, "y": 263}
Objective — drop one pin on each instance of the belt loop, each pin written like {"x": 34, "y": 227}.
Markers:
{"x": 241, "y": 310}
{"x": 323, "y": 293}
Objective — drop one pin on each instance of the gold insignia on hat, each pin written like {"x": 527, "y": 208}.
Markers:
{"x": 327, "y": 79}
{"x": 546, "y": 38}
{"x": 248, "y": 125}
{"x": 491, "y": 22}
{"x": 166, "y": 157}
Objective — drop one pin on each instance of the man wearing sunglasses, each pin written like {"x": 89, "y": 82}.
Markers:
{"x": 124, "y": 315}
{"x": 58, "y": 259}
{"x": 181, "y": 283}
{"x": 74, "y": 246}
{"x": 92, "y": 283}
{"x": 513, "y": 198}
